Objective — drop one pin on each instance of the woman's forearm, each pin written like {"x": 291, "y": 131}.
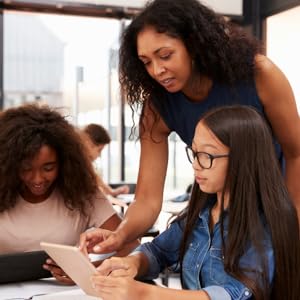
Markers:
{"x": 139, "y": 217}
{"x": 143, "y": 212}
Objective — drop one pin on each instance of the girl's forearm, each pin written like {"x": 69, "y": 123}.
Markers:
{"x": 153, "y": 292}
{"x": 140, "y": 262}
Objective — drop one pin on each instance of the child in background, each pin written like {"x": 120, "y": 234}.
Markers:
{"x": 96, "y": 138}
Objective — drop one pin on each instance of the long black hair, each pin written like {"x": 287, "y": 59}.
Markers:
{"x": 259, "y": 201}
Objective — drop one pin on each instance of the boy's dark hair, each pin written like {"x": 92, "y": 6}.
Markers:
{"x": 98, "y": 134}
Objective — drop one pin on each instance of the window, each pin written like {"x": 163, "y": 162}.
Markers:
{"x": 283, "y": 45}
{"x": 72, "y": 62}
{"x": 62, "y": 61}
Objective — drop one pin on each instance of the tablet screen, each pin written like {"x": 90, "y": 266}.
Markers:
{"x": 23, "y": 266}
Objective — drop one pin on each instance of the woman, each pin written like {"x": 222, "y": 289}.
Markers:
{"x": 228, "y": 245}
{"x": 177, "y": 60}
{"x": 48, "y": 189}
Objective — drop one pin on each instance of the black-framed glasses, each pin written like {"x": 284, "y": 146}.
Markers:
{"x": 204, "y": 159}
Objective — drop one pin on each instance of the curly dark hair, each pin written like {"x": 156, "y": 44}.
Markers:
{"x": 221, "y": 50}
{"x": 23, "y": 130}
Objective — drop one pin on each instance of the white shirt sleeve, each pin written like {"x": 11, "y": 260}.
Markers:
{"x": 101, "y": 211}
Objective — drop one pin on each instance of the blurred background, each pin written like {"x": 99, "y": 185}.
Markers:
{"x": 65, "y": 54}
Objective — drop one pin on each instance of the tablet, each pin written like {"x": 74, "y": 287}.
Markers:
{"x": 74, "y": 263}
{"x": 21, "y": 266}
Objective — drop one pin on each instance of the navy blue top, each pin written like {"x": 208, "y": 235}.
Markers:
{"x": 182, "y": 115}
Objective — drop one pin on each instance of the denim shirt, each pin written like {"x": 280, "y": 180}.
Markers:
{"x": 203, "y": 266}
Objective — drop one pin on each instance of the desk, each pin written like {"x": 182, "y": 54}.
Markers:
{"x": 126, "y": 199}
{"x": 45, "y": 289}
{"x": 167, "y": 205}
{"x": 28, "y": 289}
{"x": 173, "y": 208}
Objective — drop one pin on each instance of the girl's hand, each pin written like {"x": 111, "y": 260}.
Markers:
{"x": 118, "y": 267}
{"x": 57, "y": 272}
{"x": 117, "y": 288}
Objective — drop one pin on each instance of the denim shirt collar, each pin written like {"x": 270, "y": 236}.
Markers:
{"x": 204, "y": 214}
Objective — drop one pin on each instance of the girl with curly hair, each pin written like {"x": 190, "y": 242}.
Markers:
{"x": 48, "y": 189}
{"x": 177, "y": 60}
{"x": 239, "y": 237}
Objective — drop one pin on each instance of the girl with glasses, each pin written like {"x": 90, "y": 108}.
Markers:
{"x": 178, "y": 59}
{"x": 238, "y": 238}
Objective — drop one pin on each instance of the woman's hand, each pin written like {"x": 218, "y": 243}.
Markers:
{"x": 100, "y": 241}
{"x": 57, "y": 272}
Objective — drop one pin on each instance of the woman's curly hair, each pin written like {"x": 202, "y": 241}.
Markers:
{"x": 23, "y": 130}
{"x": 220, "y": 50}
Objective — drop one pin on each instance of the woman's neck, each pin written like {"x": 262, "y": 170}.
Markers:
{"x": 198, "y": 87}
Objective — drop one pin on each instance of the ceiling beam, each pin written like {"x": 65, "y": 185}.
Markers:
{"x": 107, "y": 9}
{"x": 70, "y": 8}
{"x": 272, "y": 7}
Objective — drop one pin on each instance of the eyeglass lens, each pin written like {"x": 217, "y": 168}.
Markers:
{"x": 203, "y": 159}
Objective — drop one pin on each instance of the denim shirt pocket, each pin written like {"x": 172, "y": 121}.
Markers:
{"x": 190, "y": 256}
{"x": 217, "y": 273}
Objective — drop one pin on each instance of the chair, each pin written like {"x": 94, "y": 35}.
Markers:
{"x": 152, "y": 232}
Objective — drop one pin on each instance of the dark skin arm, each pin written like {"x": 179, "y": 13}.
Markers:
{"x": 280, "y": 107}
{"x": 148, "y": 197}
